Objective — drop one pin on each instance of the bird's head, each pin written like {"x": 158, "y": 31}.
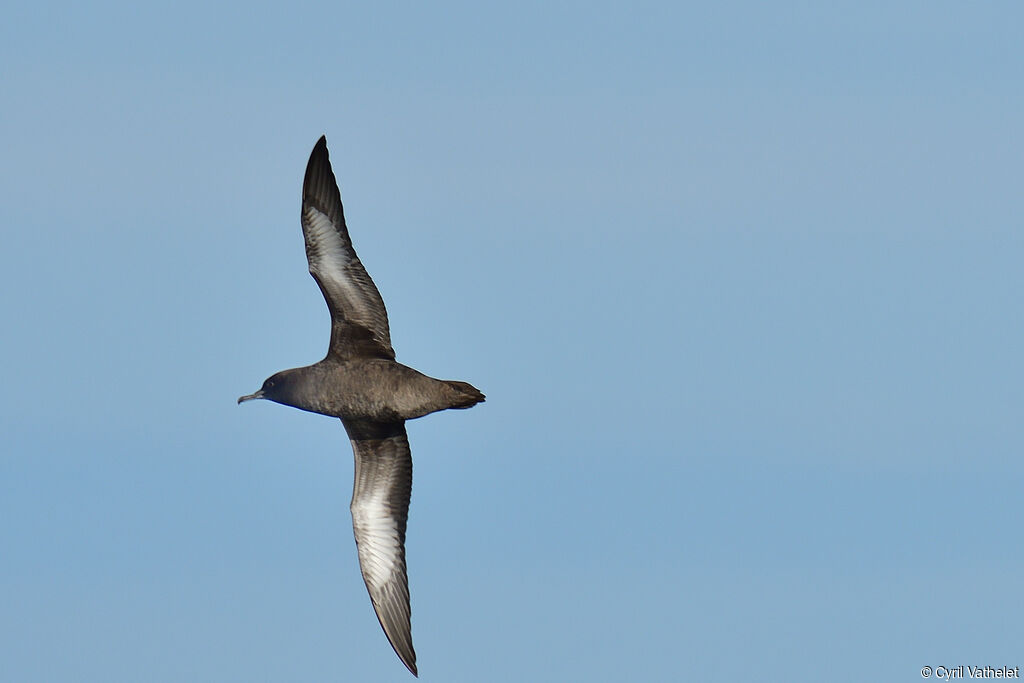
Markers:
{"x": 275, "y": 388}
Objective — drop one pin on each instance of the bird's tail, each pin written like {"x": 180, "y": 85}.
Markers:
{"x": 467, "y": 395}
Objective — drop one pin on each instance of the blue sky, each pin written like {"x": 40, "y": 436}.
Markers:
{"x": 741, "y": 283}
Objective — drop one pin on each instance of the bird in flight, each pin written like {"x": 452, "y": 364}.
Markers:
{"x": 360, "y": 382}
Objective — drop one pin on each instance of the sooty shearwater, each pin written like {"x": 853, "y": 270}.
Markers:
{"x": 360, "y": 382}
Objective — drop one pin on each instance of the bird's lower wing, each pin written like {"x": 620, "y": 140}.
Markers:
{"x": 380, "y": 509}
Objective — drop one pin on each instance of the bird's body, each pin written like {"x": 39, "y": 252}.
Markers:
{"x": 360, "y": 382}
{"x": 375, "y": 389}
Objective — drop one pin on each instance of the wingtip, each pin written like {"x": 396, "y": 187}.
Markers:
{"x": 319, "y": 185}
{"x": 405, "y": 652}
{"x": 319, "y": 149}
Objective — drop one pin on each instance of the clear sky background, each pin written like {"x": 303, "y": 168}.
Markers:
{"x": 741, "y": 281}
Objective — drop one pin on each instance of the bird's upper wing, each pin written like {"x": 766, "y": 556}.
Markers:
{"x": 359, "y": 321}
{"x": 380, "y": 509}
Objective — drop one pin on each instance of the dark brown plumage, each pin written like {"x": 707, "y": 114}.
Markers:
{"x": 360, "y": 382}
